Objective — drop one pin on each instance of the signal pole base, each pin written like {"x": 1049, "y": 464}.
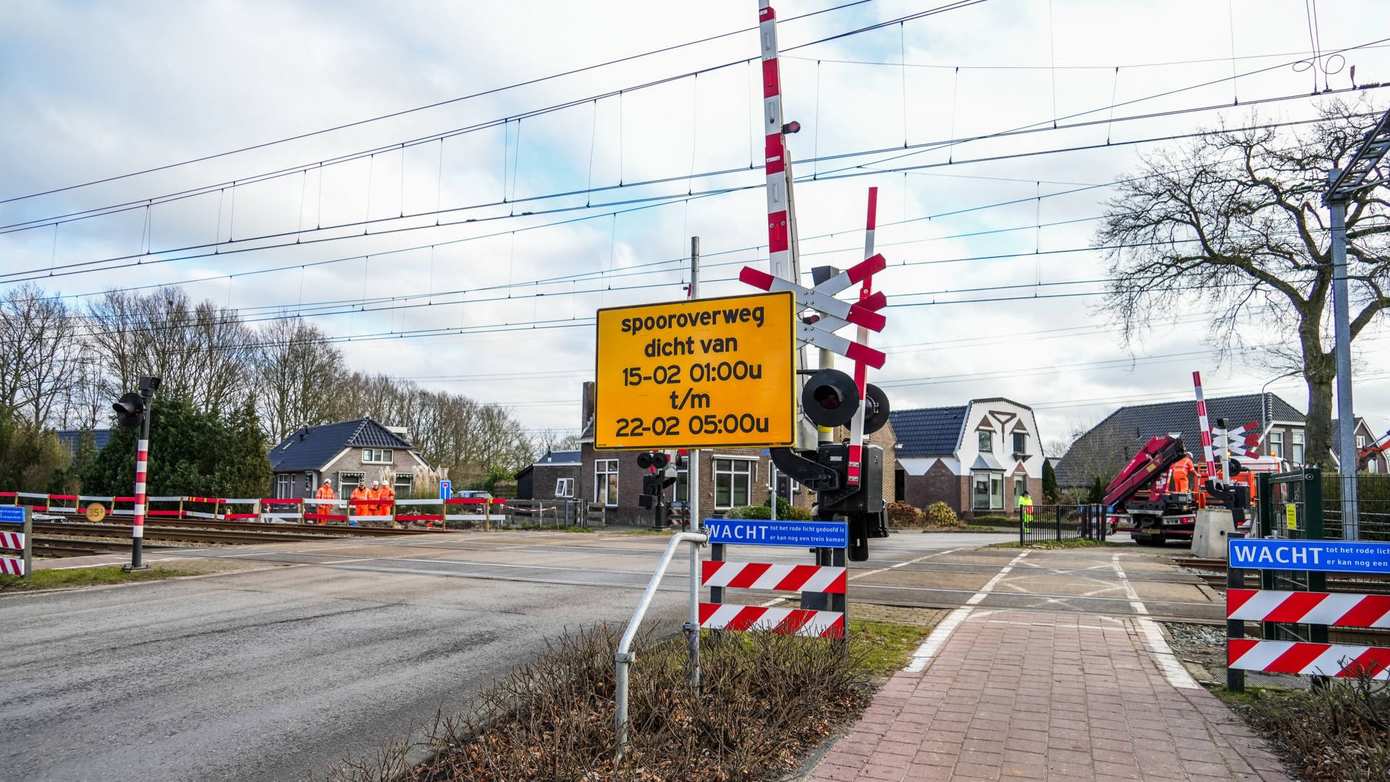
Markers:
{"x": 133, "y": 568}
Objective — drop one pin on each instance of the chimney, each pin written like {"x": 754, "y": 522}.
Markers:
{"x": 586, "y": 406}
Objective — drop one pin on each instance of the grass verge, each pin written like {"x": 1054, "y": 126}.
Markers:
{"x": 81, "y": 577}
{"x": 1337, "y": 733}
{"x": 765, "y": 701}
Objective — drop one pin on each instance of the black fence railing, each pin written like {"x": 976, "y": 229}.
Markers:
{"x": 1372, "y": 503}
{"x": 1061, "y": 522}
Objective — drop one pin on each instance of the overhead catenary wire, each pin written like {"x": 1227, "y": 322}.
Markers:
{"x": 424, "y": 107}
{"x": 114, "y": 262}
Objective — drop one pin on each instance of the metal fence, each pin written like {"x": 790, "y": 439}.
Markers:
{"x": 1372, "y": 501}
{"x": 1062, "y": 522}
{"x": 1290, "y": 506}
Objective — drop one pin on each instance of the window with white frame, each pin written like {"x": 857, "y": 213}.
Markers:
{"x": 347, "y": 481}
{"x": 606, "y": 482}
{"x": 733, "y": 482}
{"x": 1361, "y": 441}
{"x": 988, "y": 490}
{"x": 376, "y": 456}
{"x": 1276, "y": 444}
{"x": 1373, "y": 464}
{"x": 1297, "y": 448}
{"x": 564, "y": 487}
{"x": 986, "y": 441}
{"x": 404, "y": 484}
{"x": 284, "y": 485}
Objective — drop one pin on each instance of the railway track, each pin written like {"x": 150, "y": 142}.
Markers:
{"x": 1213, "y": 572}
{"x": 56, "y": 548}
{"x": 157, "y": 533}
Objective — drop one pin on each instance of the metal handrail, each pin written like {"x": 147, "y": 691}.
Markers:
{"x": 622, "y": 659}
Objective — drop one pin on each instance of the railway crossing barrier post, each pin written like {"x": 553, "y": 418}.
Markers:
{"x": 21, "y": 543}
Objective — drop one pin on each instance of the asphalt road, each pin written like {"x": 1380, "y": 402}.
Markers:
{"x": 329, "y": 649}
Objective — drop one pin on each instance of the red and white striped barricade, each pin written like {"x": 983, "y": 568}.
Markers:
{"x": 420, "y": 511}
{"x": 239, "y": 509}
{"x": 16, "y": 547}
{"x": 64, "y": 503}
{"x": 282, "y": 508}
{"x": 370, "y": 510}
{"x": 164, "y": 511}
{"x": 317, "y": 511}
{"x": 1328, "y": 609}
{"x": 823, "y": 585}
{"x": 473, "y": 509}
{"x": 34, "y": 501}
{"x": 201, "y": 507}
{"x": 117, "y": 510}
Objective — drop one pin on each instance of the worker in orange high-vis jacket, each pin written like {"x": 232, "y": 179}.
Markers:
{"x": 357, "y": 508}
{"x": 374, "y": 494}
{"x": 388, "y": 500}
{"x": 325, "y": 492}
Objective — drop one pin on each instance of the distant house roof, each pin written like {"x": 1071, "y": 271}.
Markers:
{"x": 552, "y": 459}
{"x": 1122, "y": 432}
{"x": 929, "y": 431}
{"x": 72, "y": 438}
{"x": 313, "y": 447}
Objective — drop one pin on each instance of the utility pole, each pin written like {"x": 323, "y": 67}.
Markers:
{"x": 1341, "y": 320}
{"x": 1361, "y": 172}
{"x": 692, "y": 467}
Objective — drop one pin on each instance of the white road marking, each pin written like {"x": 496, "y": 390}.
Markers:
{"x": 1158, "y": 648}
{"x": 931, "y": 647}
{"x": 774, "y": 601}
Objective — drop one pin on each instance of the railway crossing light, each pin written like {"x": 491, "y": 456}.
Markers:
{"x": 130, "y": 409}
{"x": 133, "y": 409}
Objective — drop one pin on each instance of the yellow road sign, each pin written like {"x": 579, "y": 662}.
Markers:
{"x": 96, "y": 512}
{"x": 691, "y": 374}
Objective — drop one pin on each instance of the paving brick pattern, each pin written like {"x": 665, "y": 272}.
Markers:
{"x": 1017, "y": 695}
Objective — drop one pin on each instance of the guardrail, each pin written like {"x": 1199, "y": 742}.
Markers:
{"x": 623, "y": 657}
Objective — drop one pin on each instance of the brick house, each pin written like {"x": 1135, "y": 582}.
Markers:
{"x": 554, "y": 476}
{"x": 729, "y": 477}
{"x": 977, "y": 457}
{"x": 1110, "y": 444}
{"x": 1363, "y": 435}
{"x": 348, "y": 453}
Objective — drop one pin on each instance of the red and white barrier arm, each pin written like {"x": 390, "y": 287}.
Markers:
{"x": 316, "y": 509}
{"x": 358, "y": 506}
{"x": 1205, "y": 428}
{"x": 229, "y": 510}
{"x": 785, "y": 578}
{"x": 1315, "y": 608}
{"x": 412, "y": 514}
{"x": 861, "y": 369}
{"x": 783, "y": 621}
{"x": 171, "y": 513}
{"x": 1308, "y": 659}
{"x": 38, "y": 502}
{"x": 277, "y": 502}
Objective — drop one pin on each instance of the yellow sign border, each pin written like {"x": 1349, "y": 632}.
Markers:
{"x": 792, "y": 387}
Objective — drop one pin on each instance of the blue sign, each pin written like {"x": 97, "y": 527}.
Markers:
{"x": 762, "y": 532}
{"x": 1333, "y": 556}
{"x": 11, "y": 514}
{"x": 446, "y": 489}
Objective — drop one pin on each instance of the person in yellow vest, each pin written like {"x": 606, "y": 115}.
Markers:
{"x": 374, "y": 494}
{"x": 325, "y": 492}
{"x": 1025, "y": 510}
{"x": 359, "y": 492}
{"x": 388, "y": 500}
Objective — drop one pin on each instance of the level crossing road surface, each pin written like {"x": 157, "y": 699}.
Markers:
{"x": 319, "y": 650}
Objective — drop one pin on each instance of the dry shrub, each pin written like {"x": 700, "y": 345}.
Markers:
{"x": 1337, "y": 733}
{"x": 765, "y": 700}
{"x": 939, "y": 514}
{"x": 902, "y": 514}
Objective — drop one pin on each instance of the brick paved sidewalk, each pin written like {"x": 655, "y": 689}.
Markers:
{"x": 1015, "y": 695}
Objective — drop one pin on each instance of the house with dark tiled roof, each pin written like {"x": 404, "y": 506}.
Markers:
{"x": 346, "y": 453}
{"x": 978, "y": 458}
{"x": 1110, "y": 444}
{"x": 1363, "y": 436}
{"x": 554, "y": 476}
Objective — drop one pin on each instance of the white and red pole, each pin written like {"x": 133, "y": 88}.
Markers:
{"x": 1205, "y": 427}
{"x": 142, "y": 458}
{"x": 861, "y": 370}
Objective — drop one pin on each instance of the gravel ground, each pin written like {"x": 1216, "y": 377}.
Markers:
{"x": 1204, "y": 646}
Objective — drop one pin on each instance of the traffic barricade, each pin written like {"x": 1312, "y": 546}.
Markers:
{"x": 273, "y": 508}
{"x": 321, "y": 511}
{"x": 420, "y": 511}
{"x": 1275, "y": 609}
{"x": 200, "y": 507}
{"x": 239, "y": 509}
{"x": 472, "y": 509}
{"x": 368, "y": 510}
{"x": 35, "y": 502}
{"x": 165, "y": 511}
{"x": 16, "y": 548}
{"x": 64, "y": 503}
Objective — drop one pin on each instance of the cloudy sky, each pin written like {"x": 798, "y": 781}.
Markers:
{"x": 507, "y": 235}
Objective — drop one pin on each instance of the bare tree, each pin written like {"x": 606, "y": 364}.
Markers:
{"x": 297, "y": 374}
{"x": 39, "y": 354}
{"x": 204, "y": 353}
{"x": 1235, "y": 221}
